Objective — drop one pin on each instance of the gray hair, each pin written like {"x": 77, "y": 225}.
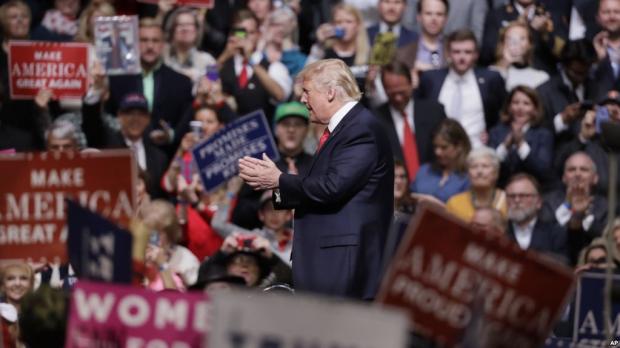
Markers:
{"x": 332, "y": 73}
{"x": 61, "y": 129}
{"x": 481, "y": 152}
{"x": 582, "y": 153}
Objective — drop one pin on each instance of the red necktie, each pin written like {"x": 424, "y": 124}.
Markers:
{"x": 410, "y": 149}
{"x": 323, "y": 139}
{"x": 243, "y": 75}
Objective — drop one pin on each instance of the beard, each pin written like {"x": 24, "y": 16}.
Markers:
{"x": 519, "y": 215}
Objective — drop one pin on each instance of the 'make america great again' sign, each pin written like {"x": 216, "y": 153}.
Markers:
{"x": 60, "y": 67}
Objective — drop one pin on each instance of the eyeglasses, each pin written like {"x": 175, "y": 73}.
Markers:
{"x": 515, "y": 196}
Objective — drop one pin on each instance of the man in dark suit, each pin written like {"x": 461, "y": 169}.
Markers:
{"x": 410, "y": 124}
{"x": 391, "y": 13}
{"x": 169, "y": 94}
{"x": 344, "y": 205}
{"x": 473, "y": 96}
{"x": 607, "y": 72}
{"x": 134, "y": 118}
{"x": 524, "y": 227}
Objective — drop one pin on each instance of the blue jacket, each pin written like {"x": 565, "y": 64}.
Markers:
{"x": 343, "y": 208}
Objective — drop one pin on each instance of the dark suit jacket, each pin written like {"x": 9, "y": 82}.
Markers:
{"x": 490, "y": 83}
{"x": 99, "y": 135}
{"x": 546, "y": 238}
{"x": 538, "y": 161}
{"x": 172, "y": 97}
{"x": 343, "y": 209}
{"x": 406, "y": 36}
{"x": 605, "y": 79}
{"x": 427, "y": 115}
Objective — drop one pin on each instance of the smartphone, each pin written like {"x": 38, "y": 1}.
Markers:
{"x": 154, "y": 238}
{"x": 212, "y": 73}
{"x": 196, "y": 127}
{"x": 339, "y": 32}
{"x": 240, "y": 33}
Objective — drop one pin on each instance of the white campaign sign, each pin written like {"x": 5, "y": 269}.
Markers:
{"x": 244, "y": 320}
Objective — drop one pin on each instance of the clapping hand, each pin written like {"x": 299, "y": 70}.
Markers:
{"x": 259, "y": 174}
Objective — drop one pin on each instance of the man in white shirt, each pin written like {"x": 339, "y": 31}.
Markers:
{"x": 524, "y": 227}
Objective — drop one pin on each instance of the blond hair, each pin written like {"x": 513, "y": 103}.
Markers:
{"x": 362, "y": 43}
{"x": 16, "y": 265}
{"x": 332, "y": 73}
{"x": 85, "y": 30}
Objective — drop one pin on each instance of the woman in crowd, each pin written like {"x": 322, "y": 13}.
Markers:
{"x": 183, "y": 29}
{"x": 86, "y": 22}
{"x": 403, "y": 202}
{"x": 520, "y": 140}
{"x": 280, "y": 38}
{"x": 514, "y": 57}
{"x": 16, "y": 280}
{"x": 176, "y": 266}
{"x": 60, "y": 23}
{"x": 446, "y": 176}
{"x": 483, "y": 171}
{"x": 344, "y": 38}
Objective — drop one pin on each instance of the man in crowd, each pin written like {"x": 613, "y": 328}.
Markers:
{"x": 409, "y": 123}
{"x": 473, "y": 96}
{"x": 524, "y": 226}
{"x": 577, "y": 207}
{"x": 344, "y": 205}
{"x": 61, "y": 136}
{"x": 168, "y": 93}
{"x": 607, "y": 46}
{"x": 391, "y": 14}
{"x": 290, "y": 130}
{"x": 255, "y": 81}
{"x": 432, "y": 16}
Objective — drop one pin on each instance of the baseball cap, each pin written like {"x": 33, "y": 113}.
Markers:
{"x": 291, "y": 109}
{"x": 133, "y": 101}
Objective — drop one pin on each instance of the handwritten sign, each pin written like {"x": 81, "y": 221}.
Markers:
{"x": 35, "y": 65}
{"x": 33, "y": 191}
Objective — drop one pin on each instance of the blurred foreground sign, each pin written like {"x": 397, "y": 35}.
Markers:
{"x": 245, "y": 320}
{"x": 33, "y": 191}
{"x": 98, "y": 249}
{"x": 103, "y": 315}
{"x": 217, "y": 157}
{"x": 464, "y": 285}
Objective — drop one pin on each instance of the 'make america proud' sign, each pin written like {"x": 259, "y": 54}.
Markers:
{"x": 60, "y": 67}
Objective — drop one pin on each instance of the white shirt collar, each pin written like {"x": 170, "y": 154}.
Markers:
{"x": 383, "y": 28}
{"x": 469, "y": 74}
{"x": 140, "y": 152}
{"x": 524, "y": 235}
{"x": 531, "y": 11}
{"x": 339, "y": 115}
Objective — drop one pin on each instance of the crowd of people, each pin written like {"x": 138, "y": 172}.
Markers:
{"x": 492, "y": 108}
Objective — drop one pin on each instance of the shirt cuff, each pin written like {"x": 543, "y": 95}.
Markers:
{"x": 501, "y": 151}
{"x": 558, "y": 124}
{"x": 93, "y": 96}
{"x": 563, "y": 214}
{"x": 524, "y": 150}
{"x": 587, "y": 222}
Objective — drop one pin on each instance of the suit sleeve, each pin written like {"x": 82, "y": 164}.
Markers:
{"x": 92, "y": 125}
{"x": 350, "y": 167}
{"x": 539, "y": 159}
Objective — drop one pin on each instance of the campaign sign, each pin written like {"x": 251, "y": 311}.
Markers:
{"x": 61, "y": 67}
{"x": 33, "y": 191}
{"x": 116, "y": 43}
{"x": 106, "y": 315}
{"x": 217, "y": 157}
{"x": 453, "y": 279}
{"x": 242, "y": 319}
{"x": 98, "y": 249}
{"x": 588, "y": 324}
{"x": 192, "y": 3}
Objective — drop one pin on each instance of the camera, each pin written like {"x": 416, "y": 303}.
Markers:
{"x": 245, "y": 242}
{"x": 212, "y": 73}
{"x": 339, "y": 32}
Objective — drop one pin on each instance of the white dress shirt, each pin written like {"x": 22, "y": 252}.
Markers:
{"x": 138, "y": 150}
{"x": 471, "y": 115}
{"x": 397, "y": 118}
{"x": 339, "y": 115}
{"x": 524, "y": 235}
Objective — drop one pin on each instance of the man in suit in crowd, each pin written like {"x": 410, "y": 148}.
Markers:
{"x": 134, "y": 118}
{"x": 607, "y": 46}
{"x": 344, "y": 205}
{"x": 524, "y": 226}
{"x": 169, "y": 93}
{"x": 577, "y": 206}
{"x": 410, "y": 124}
{"x": 391, "y": 13}
{"x": 473, "y": 96}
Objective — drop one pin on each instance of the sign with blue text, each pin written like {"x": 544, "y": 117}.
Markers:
{"x": 588, "y": 324}
{"x": 98, "y": 249}
{"x": 216, "y": 158}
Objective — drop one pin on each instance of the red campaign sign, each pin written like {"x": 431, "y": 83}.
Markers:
{"x": 193, "y": 3}
{"x": 60, "y": 67}
{"x": 463, "y": 285}
{"x": 32, "y": 197}
{"x": 105, "y": 315}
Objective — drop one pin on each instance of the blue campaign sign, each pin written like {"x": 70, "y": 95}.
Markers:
{"x": 216, "y": 158}
{"x": 557, "y": 342}
{"x": 98, "y": 249}
{"x": 588, "y": 324}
